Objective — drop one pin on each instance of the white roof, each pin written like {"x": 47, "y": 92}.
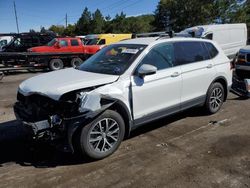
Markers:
{"x": 219, "y": 26}
{"x": 145, "y": 41}
{"x": 155, "y": 40}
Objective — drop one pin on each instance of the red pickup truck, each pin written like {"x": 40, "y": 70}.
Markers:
{"x": 61, "y": 52}
{"x": 60, "y": 45}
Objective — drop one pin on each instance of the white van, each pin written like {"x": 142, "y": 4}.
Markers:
{"x": 231, "y": 37}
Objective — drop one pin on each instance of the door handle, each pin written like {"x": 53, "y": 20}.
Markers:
{"x": 209, "y": 66}
{"x": 175, "y": 74}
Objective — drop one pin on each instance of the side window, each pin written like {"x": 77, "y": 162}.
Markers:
{"x": 209, "y": 36}
{"x": 102, "y": 42}
{"x": 63, "y": 43}
{"x": 211, "y": 49}
{"x": 74, "y": 42}
{"x": 190, "y": 52}
{"x": 161, "y": 56}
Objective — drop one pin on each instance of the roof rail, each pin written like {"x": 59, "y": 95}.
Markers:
{"x": 150, "y": 34}
{"x": 167, "y": 35}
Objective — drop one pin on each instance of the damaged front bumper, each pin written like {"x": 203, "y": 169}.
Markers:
{"x": 56, "y": 129}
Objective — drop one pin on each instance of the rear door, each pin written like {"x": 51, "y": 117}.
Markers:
{"x": 76, "y": 46}
{"x": 197, "y": 69}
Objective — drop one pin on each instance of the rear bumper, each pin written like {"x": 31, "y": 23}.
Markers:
{"x": 241, "y": 87}
{"x": 245, "y": 67}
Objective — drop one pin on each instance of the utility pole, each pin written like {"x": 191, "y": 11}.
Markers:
{"x": 66, "y": 19}
{"x": 16, "y": 18}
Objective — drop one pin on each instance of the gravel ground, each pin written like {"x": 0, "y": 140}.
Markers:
{"x": 189, "y": 149}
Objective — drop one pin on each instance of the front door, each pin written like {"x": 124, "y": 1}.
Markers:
{"x": 157, "y": 94}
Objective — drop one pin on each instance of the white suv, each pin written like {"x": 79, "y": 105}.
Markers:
{"x": 127, "y": 84}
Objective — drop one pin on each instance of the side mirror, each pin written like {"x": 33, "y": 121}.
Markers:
{"x": 57, "y": 45}
{"x": 146, "y": 69}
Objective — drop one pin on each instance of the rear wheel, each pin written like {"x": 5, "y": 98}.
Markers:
{"x": 103, "y": 136}
{"x": 55, "y": 64}
{"x": 75, "y": 62}
{"x": 215, "y": 98}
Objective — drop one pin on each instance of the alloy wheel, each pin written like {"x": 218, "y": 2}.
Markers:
{"x": 104, "y": 135}
{"x": 216, "y": 99}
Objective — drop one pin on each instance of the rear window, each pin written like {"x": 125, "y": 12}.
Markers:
{"x": 211, "y": 49}
{"x": 190, "y": 52}
{"x": 74, "y": 42}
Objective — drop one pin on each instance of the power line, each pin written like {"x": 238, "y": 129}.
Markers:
{"x": 130, "y": 5}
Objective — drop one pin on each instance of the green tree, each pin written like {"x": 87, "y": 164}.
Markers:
{"x": 97, "y": 22}
{"x": 119, "y": 23}
{"x": 59, "y": 29}
{"x": 181, "y": 14}
{"x": 83, "y": 25}
{"x": 70, "y": 30}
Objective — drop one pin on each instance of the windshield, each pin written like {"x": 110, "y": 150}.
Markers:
{"x": 52, "y": 42}
{"x": 92, "y": 41}
{"x": 114, "y": 59}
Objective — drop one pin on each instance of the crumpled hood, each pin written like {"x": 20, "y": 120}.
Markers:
{"x": 55, "y": 84}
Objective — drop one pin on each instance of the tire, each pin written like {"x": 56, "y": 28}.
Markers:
{"x": 215, "y": 98}
{"x": 55, "y": 64}
{"x": 75, "y": 62}
{"x": 96, "y": 142}
{"x": 1, "y": 75}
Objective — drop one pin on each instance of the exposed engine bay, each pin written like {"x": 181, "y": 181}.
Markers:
{"x": 51, "y": 120}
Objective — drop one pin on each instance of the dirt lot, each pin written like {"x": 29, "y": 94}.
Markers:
{"x": 187, "y": 150}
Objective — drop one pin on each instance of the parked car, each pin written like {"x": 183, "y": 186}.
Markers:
{"x": 125, "y": 85}
{"x": 5, "y": 40}
{"x": 242, "y": 63}
{"x": 96, "y": 44}
{"x": 21, "y": 42}
{"x": 67, "y": 51}
{"x": 89, "y": 37}
{"x": 231, "y": 37}
{"x": 67, "y": 44}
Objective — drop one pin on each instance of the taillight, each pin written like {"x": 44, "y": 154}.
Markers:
{"x": 241, "y": 58}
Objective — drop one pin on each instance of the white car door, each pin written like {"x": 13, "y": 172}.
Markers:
{"x": 158, "y": 94}
{"x": 198, "y": 71}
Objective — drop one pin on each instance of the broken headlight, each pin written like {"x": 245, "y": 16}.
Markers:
{"x": 89, "y": 101}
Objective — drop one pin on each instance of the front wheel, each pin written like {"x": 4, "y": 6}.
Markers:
{"x": 215, "y": 98}
{"x": 103, "y": 136}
